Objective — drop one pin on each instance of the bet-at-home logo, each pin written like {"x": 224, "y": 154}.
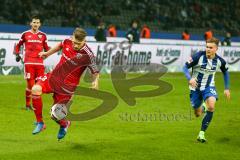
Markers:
{"x": 232, "y": 56}
{"x": 168, "y": 55}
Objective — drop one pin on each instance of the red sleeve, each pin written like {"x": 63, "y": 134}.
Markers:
{"x": 19, "y": 44}
{"x": 93, "y": 66}
{"x": 45, "y": 45}
{"x": 62, "y": 43}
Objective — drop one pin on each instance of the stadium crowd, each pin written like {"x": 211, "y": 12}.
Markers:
{"x": 166, "y": 15}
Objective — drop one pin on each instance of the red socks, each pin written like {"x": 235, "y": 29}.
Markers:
{"x": 62, "y": 123}
{"x": 37, "y": 105}
{"x": 28, "y": 97}
{"x": 30, "y": 83}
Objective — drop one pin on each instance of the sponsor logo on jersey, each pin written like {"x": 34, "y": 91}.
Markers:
{"x": 34, "y": 41}
{"x": 69, "y": 59}
{"x": 207, "y": 71}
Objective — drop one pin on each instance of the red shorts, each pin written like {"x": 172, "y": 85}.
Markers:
{"x": 31, "y": 72}
{"x": 43, "y": 81}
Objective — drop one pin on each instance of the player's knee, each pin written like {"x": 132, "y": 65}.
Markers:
{"x": 210, "y": 108}
{"x": 36, "y": 90}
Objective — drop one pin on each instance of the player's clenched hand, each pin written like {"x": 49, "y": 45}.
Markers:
{"x": 227, "y": 94}
{"x": 18, "y": 57}
{"x": 193, "y": 82}
{"x": 43, "y": 55}
{"x": 95, "y": 81}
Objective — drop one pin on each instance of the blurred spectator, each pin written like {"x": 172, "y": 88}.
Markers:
{"x": 112, "y": 30}
{"x": 100, "y": 34}
{"x": 227, "y": 40}
{"x": 185, "y": 35}
{"x": 133, "y": 34}
{"x": 208, "y": 34}
{"x": 145, "y": 32}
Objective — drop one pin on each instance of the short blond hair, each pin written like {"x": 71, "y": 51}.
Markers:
{"x": 213, "y": 40}
{"x": 79, "y": 34}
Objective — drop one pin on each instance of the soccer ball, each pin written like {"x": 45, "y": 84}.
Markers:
{"x": 58, "y": 111}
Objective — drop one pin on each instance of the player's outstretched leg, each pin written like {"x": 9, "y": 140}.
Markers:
{"x": 210, "y": 102}
{"x": 64, "y": 125}
{"x": 37, "y": 104}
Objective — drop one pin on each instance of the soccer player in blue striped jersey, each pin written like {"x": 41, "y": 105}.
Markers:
{"x": 204, "y": 65}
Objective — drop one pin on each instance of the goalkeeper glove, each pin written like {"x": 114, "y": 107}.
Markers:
{"x": 18, "y": 57}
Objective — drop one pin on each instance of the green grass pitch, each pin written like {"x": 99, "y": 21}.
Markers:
{"x": 119, "y": 134}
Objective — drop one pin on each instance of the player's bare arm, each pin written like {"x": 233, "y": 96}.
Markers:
{"x": 51, "y": 51}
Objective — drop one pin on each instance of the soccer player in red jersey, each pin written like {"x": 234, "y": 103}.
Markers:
{"x": 34, "y": 42}
{"x": 63, "y": 80}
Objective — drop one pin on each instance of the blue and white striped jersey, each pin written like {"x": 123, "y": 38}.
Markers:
{"x": 204, "y": 69}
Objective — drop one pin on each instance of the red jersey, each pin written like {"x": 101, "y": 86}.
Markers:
{"x": 66, "y": 75}
{"x": 34, "y": 43}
